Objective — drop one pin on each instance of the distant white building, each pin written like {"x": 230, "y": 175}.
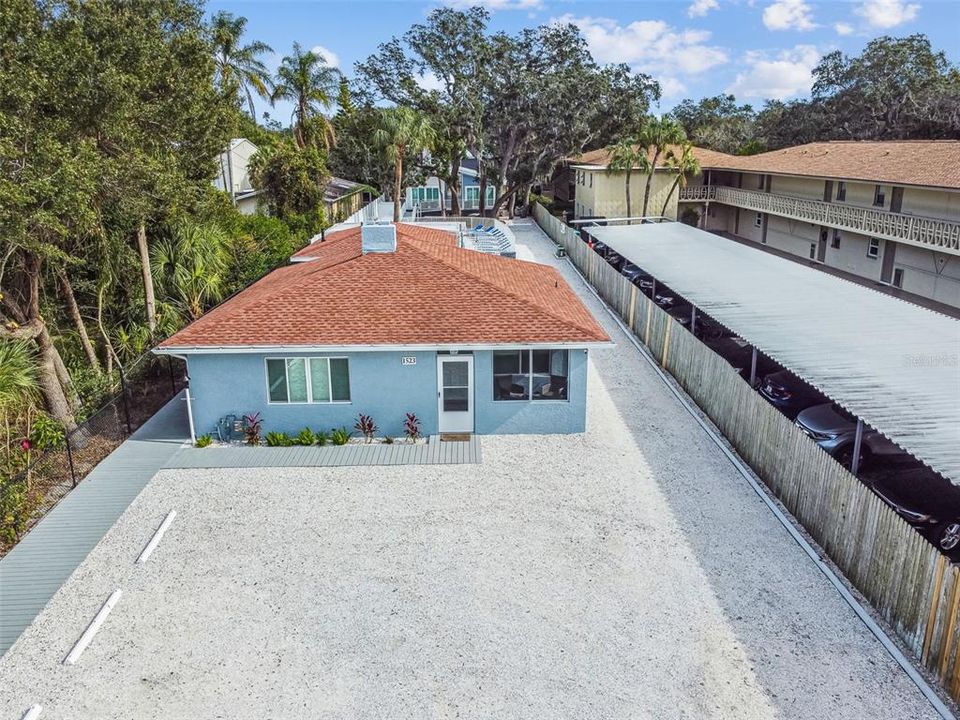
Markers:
{"x": 234, "y": 175}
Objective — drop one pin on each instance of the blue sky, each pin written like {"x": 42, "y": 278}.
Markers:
{"x": 756, "y": 49}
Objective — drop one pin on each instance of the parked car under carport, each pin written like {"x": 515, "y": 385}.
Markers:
{"x": 834, "y": 430}
{"x": 926, "y": 500}
{"x": 789, "y": 394}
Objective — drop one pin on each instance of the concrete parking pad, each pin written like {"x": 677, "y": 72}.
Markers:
{"x": 625, "y": 573}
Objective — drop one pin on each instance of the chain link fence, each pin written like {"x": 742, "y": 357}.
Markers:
{"x": 139, "y": 391}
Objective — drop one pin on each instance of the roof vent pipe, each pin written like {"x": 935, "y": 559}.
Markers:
{"x": 378, "y": 238}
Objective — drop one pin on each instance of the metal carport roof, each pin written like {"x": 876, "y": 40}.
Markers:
{"x": 894, "y": 364}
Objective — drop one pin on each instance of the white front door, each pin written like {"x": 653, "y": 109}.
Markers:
{"x": 455, "y": 392}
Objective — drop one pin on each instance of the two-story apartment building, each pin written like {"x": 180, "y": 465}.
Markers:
{"x": 883, "y": 213}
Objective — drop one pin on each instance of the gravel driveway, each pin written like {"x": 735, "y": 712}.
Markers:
{"x": 629, "y": 572}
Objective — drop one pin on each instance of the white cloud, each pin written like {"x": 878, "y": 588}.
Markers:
{"x": 699, "y": 8}
{"x": 671, "y": 87}
{"x": 429, "y": 81}
{"x": 788, "y": 15}
{"x": 785, "y": 75}
{"x": 650, "y": 46}
{"x": 494, "y": 5}
{"x": 328, "y": 56}
{"x": 886, "y": 13}
{"x": 843, "y": 28}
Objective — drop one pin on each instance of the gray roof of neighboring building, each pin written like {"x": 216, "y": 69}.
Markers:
{"x": 892, "y": 363}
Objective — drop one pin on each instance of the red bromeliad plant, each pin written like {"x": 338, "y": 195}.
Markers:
{"x": 411, "y": 427}
{"x": 251, "y": 428}
{"x": 366, "y": 426}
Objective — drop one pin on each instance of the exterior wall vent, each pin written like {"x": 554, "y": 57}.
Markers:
{"x": 376, "y": 238}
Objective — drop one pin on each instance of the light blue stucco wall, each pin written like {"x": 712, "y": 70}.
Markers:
{"x": 235, "y": 383}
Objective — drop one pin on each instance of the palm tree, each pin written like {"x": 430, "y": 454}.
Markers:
{"x": 306, "y": 80}
{"x": 625, "y": 156}
{"x": 656, "y": 135}
{"x": 238, "y": 66}
{"x": 19, "y": 382}
{"x": 684, "y": 164}
{"x": 191, "y": 267}
{"x": 402, "y": 130}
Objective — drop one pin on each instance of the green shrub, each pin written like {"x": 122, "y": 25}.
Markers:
{"x": 387, "y": 440}
{"x": 322, "y": 436}
{"x": 339, "y": 436}
{"x": 204, "y": 441}
{"x": 279, "y": 439}
{"x": 306, "y": 437}
{"x": 46, "y": 433}
{"x": 545, "y": 201}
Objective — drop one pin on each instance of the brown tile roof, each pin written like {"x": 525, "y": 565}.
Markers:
{"x": 428, "y": 292}
{"x": 932, "y": 163}
{"x": 601, "y": 157}
{"x": 929, "y": 163}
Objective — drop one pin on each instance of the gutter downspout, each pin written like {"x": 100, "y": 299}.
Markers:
{"x": 186, "y": 390}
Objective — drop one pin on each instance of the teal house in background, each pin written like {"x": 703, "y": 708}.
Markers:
{"x": 389, "y": 319}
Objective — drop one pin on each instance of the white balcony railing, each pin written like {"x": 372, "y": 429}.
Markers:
{"x": 943, "y": 235}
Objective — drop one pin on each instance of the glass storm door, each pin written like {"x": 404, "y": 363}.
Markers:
{"x": 455, "y": 392}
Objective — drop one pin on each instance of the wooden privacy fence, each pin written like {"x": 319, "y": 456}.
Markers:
{"x": 907, "y": 580}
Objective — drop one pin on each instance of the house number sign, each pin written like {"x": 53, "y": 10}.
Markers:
{"x": 408, "y": 360}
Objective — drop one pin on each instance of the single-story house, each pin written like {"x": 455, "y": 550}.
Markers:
{"x": 388, "y": 319}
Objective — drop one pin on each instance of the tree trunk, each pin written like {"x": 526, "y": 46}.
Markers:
{"x": 454, "y": 186}
{"x": 74, "y": 311}
{"x": 111, "y": 353}
{"x": 482, "y": 201}
{"x": 149, "y": 297}
{"x": 54, "y": 380}
{"x": 646, "y": 192}
{"x": 511, "y": 205}
{"x": 629, "y": 208}
{"x": 397, "y": 182}
{"x": 673, "y": 188}
{"x": 51, "y": 366}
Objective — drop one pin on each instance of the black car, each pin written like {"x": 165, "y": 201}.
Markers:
{"x": 681, "y": 312}
{"x": 606, "y": 253}
{"x": 709, "y": 329}
{"x": 789, "y": 394}
{"x": 739, "y": 354}
{"x": 638, "y": 277}
{"x": 926, "y": 500}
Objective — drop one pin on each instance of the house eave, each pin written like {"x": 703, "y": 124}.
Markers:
{"x": 429, "y": 347}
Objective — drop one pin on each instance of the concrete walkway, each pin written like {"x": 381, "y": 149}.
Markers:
{"x": 36, "y": 568}
{"x": 434, "y": 452}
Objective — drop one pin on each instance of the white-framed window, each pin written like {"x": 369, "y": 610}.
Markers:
{"x": 841, "y": 191}
{"x": 308, "y": 380}
{"x": 758, "y": 220}
{"x": 530, "y": 375}
{"x": 425, "y": 194}
{"x": 879, "y": 196}
{"x": 873, "y": 248}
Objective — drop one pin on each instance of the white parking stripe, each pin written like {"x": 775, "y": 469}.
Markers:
{"x": 156, "y": 537}
{"x": 92, "y": 628}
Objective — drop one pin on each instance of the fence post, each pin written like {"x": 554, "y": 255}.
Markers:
{"x": 173, "y": 382}
{"x": 73, "y": 472}
{"x": 126, "y": 408}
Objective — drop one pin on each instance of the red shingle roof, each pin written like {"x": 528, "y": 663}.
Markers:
{"x": 428, "y": 292}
